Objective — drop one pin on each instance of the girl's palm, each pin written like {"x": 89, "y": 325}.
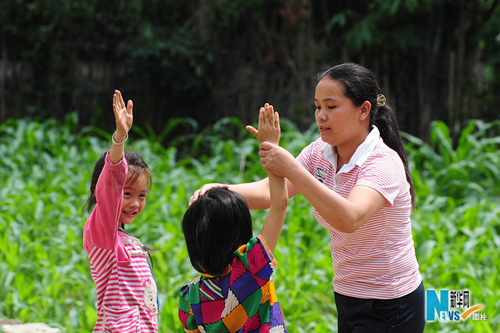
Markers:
{"x": 123, "y": 114}
{"x": 269, "y": 126}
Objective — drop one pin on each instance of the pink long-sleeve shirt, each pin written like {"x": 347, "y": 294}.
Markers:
{"x": 125, "y": 286}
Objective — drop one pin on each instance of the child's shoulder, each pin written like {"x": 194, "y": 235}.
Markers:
{"x": 260, "y": 242}
{"x": 256, "y": 255}
{"x": 255, "y": 245}
{"x": 194, "y": 281}
{"x": 184, "y": 290}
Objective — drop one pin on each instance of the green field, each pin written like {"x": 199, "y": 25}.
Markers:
{"x": 45, "y": 171}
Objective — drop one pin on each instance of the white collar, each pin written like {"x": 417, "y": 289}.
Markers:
{"x": 360, "y": 155}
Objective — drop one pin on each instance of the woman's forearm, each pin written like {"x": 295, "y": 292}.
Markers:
{"x": 257, "y": 193}
{"x": 345, "y": 215}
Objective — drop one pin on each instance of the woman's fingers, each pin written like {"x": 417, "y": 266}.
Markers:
{"x": 194, "y": 197}
{"x": 204, "y": 189}
{"x": 266, "y": 145}
{"x": 275, "y": 159}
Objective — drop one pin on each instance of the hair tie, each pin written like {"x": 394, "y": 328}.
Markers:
{"x": 380, "y": 100}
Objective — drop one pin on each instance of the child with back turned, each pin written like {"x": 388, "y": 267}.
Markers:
{"x": 126, "y": 290}
{"x": 235, "y": 292}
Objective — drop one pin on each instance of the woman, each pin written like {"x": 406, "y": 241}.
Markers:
{"x": 357, "y": 179}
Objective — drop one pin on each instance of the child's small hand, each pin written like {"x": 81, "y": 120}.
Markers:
{"x": 269, "y": 125}
{"x": 123, "y": 115}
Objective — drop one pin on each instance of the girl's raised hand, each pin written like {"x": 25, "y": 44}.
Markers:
{"x": 123, "y": 115}
{"x": 269, "y": 125}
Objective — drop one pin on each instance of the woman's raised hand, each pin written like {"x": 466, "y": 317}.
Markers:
{"x": 269, "y": 125}
{"x": 123, "y": 115}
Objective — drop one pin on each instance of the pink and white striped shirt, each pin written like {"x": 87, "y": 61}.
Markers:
{"x": 378, "y": 260}
{"x": 126, "y": 290}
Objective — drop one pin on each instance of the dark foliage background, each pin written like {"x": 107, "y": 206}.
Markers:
{"x": 208, "y": 59}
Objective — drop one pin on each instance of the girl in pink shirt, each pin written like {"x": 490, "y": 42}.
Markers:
{"x": 357, "y": 180}
{"x": 127, "y": 298}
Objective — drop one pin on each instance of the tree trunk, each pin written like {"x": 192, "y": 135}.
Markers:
{"x": 3, "y": 74}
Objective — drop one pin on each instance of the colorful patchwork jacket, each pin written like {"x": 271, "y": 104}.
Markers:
{"x": 242, "y": 300}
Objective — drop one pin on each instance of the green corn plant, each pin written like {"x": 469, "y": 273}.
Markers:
{"x": 45, "y": 173}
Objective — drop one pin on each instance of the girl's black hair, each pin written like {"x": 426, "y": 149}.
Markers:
{"x": 136, "y": 166}
{"x": 215, "y": 226}
{"x": 360, "y": 85}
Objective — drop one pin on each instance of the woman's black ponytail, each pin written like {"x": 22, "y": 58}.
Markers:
{"x": 385, "y": 120}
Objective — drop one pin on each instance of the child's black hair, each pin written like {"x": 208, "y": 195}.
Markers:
{"x": 215, "y": 226}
